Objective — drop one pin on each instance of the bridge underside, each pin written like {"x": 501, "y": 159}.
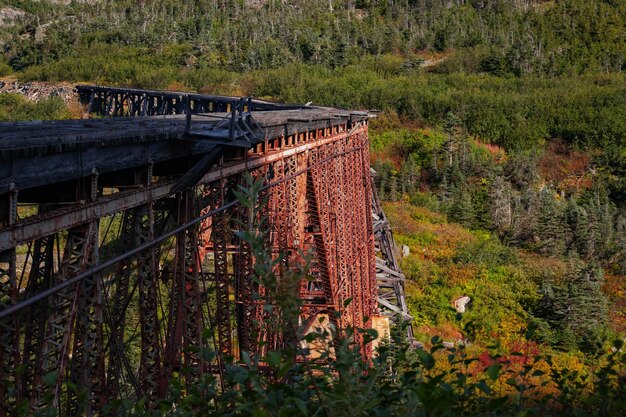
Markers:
{"x": 119, "y": 246}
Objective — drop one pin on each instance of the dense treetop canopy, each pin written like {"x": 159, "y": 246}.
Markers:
{"x": 505, "y": 37}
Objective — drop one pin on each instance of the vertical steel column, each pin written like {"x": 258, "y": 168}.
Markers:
{"x": 279, "y": 237}
{"x": 359, "y": 217}
{"x": 245, "y": 286}
{"x": 9, "y": 334}
{"x": 320, "y": 228}
{"x": 338, "y": 180}
{"x": 78, "y": 255}
{"x": 262, "y": 222}
{"x": 221, "y": 238}
{"x": 39, "y": 279}
{"x": 88, "y": 368}
{"x": 297, "y": 215}
{"x": 88, "y": 357}
{"x": 151, "y": 342}
{"x": 296, "y": 189}
{"x": 192, "y": 313}
{"x": 279, "y": 207}
{"x": 370, "y": 253}
{"x": 349, "y": 219}
{"x": 362, "y": 214}
{"x": 313, "y": 291}
{"x": 122, "y": 277}
{"x": 184, "y": 328}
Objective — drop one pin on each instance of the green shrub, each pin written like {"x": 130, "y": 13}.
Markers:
{"x": 5, "y": 69}
{"x": 14, "y": 107}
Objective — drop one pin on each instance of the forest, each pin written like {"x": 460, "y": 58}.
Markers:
{"x": 500, "y": 148}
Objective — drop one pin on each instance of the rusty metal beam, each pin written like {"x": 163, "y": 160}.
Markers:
{"x": 30, "y": 229}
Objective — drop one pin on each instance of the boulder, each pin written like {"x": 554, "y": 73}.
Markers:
{"x": 460, "y": 303}
{"x": 9, "y": 15}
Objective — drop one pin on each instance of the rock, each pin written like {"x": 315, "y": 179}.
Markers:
{"x": 460, "y": 303}
{"x": 9, "y": 15}
{"x": 416, "y": 344}
{"x": 448, "y": 345}
{"x": 406, "y": 251}
{"x": 38, "y": 90}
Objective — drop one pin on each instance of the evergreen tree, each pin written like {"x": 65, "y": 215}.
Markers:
{"x": 462, "y": 209}
{"x": 620, "y": 256}
{"x": 410, "y": 174}
{"x": 591, "y": 244}
{"x": 605, "y": 224}
{"x": 589, "y": 306}
{"x": 403, "y": 180}
{"x": 553, "y": 310}
{"x": 550, "y": 224}
{"x": 576, "y": 310}
{"x": 393, "y": 186}
{"x": 519, "y": 229}
{"x": 383, "y": 180}
{"x": 501, "y": 210}
{"x": 578, "y": 223}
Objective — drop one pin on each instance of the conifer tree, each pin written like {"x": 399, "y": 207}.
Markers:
{"x": 589, "y": 307}
{"x": 501, "y": 210}
{"x": 550, "y": 229}
{"x": 578, "y": 223}
{"x": 620, "y": 231}
{"x": 462, "y": 209}
{"x": 383, "y": 175}
{"x": 576, "y": 310}
{"x": 393, "y": 186}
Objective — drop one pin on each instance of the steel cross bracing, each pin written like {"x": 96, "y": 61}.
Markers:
{"x": 107, "y": 275}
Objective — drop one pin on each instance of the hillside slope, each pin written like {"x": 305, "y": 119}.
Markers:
{"x": 519, "y": 37}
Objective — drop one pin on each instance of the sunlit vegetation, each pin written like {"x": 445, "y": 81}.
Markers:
{"x": 500, "y": 148}
{"x": 14, "y": 107}
{"x": 542, "y": 257}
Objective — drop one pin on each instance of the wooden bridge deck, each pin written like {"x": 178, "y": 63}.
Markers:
{"x": 71, "y": 149}
{"x": 27, "y": 135}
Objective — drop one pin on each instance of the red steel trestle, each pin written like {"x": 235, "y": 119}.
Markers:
{"x": 127, "y": 330}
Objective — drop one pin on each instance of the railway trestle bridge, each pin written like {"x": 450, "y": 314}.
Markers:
{"x": 119, "y": 243}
